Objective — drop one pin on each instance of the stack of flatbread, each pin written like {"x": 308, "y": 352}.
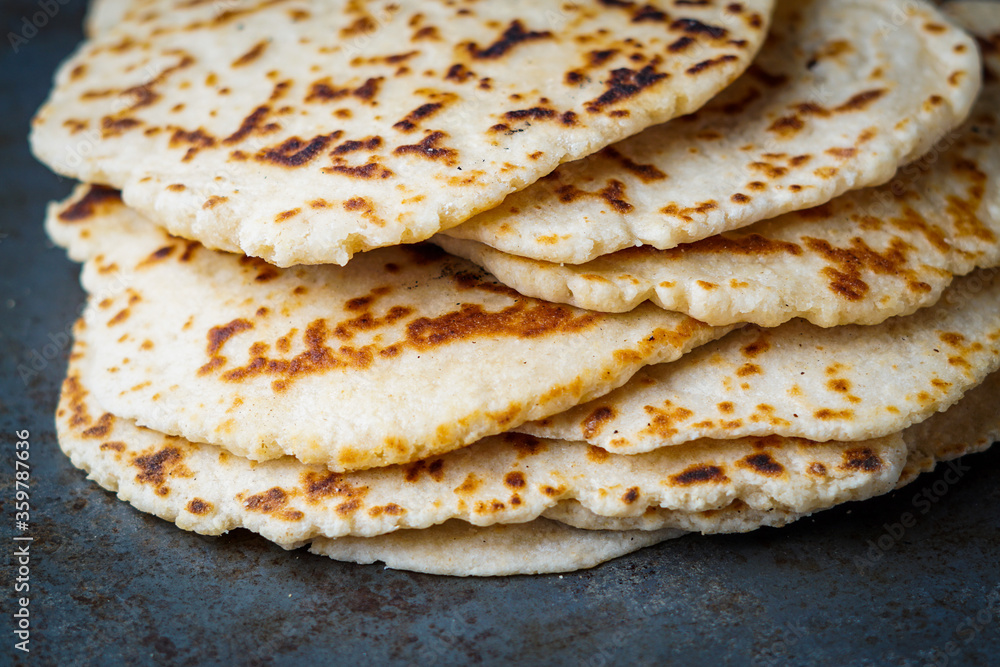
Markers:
{"x": 500, "y": 288}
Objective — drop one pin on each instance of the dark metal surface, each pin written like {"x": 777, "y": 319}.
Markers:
{"x": 110, "y": 585}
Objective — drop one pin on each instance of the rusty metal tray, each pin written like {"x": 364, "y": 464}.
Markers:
{"x": 110, "y": 585}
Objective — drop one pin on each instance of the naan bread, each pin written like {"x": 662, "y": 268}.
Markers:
{"x": 404, "y": 353}
{"x": 304, "y": 131}
{"x": 970, "y": 426}
{"x": 845, "y": 383}
{"x": 859, "y": 259}
{"x": 834, "y": 102}
{"x": 458, "y": 549}
{"x": 502, "y": 479}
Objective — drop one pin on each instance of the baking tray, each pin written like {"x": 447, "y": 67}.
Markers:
{"x": 111, "y": 585}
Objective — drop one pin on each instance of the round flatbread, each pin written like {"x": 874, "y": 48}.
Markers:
{"x": 458, "y": 549}
{"x": 859, "y": 259}
{"x": 304, "y": 131}
{"x": 798, "y": 380}
{"x": 510, "y": 478}
{"x": 971, "y": 426}
{"x": 507, "y": 479}
{"x": 404, "y": 353}
{"x": 841, "y": 95}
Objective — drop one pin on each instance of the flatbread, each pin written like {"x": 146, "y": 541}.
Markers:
{"x": 859, "y": 259}
{"x": 845, "y": 383}
{"x": 202, "y": 488}
{"x": 395, "y": 514}
{"x": 970, "y": 426}
{"x": 103, "y": 15}
{"x": 735, "y": 518}
{"x": 834, "y": 102}
{"x": 981, "y": 18}
{"x": 509, "y": 478}
{"x": 304, "y": 131}
{"x": 404, "y": 353}
{"x": 458, "y": 549}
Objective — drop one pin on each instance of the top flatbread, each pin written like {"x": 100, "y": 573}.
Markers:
{"x": 304, "y": 131}
{"x": 834, "y": 102}
{"x": 403, "y": 353}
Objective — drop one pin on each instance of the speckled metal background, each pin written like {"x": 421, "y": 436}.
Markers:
{"x": 110, "y": 585}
